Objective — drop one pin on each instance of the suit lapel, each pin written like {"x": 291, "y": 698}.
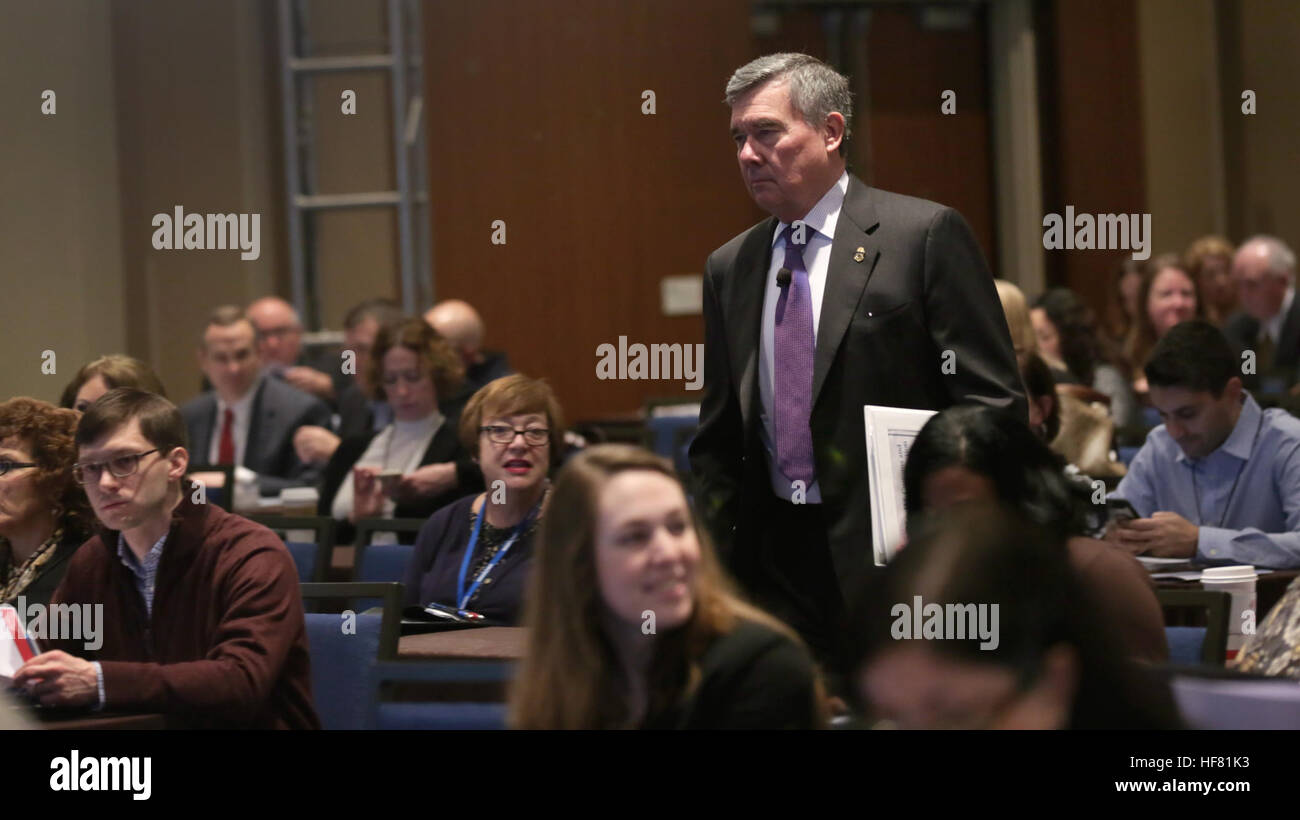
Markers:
{"x": 207, "y": 428}
{"x": 1289, "y": 338}
{"x": 743, "y": 334}
{"x": 846, "y": 278}
{"x": 260, "y": 417}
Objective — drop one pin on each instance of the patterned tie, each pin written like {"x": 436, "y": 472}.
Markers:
{"x": 793, "y": 347}
{"x": 226, "y": 447}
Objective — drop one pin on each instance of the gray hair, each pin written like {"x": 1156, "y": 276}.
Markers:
{"x": 1281, "y": 259}
{"x": 816, "y": 89}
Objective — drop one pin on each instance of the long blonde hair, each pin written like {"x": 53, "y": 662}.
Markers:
{"x": 1016, "y": 311}
{"x": 569, "y": 677}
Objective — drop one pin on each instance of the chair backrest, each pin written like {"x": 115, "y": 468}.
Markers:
{"x": 405, "y": 528}
{"x": 221, "y": 496}
{"x": 383, "y": 563}
{"x": 417, "y": 714}
{"x": 345, "y": 646}
{"x": 1191, "y": 645}
{"x": 1238, "y": 704}
{"x": 312, "y": 557}
{"x": 670, "y": 426}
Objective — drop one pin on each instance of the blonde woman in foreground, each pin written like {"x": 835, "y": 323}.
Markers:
{"x": 632, "y": 623}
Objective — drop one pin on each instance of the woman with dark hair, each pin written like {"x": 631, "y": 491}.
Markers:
{"x": 1067, "y": 332}
{"x": 44, "y": 514}
{"x": 416, "y": 464}
{"x": 976, "y": 453}
{"x": 1040, "y": 389}
{"x": 105, "y": 373}
{"x": 1017, "y": 642}
{"x": 632, "y": 622}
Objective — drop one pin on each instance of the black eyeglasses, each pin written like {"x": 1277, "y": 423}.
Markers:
{"x": 501, "y": 434}
{"x": 119, "y": 466}
{"x": 6, "y": 466}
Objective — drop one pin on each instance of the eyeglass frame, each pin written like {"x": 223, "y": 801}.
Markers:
{"x": 78, "y": 474}
{"x": 516, "y": 431}
{"x": 6, "y": 465}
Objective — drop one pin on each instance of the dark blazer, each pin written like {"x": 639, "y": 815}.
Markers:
{"x": 1242, "y": 329}
{"x": 444, "y": 447}
{"x": 435, "y": 567}
{"x": 922, "y": 288}
{"x": 750, "y": 678}
{"x": 278, "y": 411}
{"x": 47, "y": 580}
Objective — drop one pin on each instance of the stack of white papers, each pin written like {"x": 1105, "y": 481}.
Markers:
{"x": 890, "y": 433}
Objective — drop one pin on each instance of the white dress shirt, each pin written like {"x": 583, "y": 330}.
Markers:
{"x": 816, "y": 259}
{"x": 399, "y": 446}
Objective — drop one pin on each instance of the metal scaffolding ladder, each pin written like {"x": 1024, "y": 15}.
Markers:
{"x": 410, "y": 198}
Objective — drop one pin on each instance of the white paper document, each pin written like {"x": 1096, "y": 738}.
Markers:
{"x": 890, "y": 433}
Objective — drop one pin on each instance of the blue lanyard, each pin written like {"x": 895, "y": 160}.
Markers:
{"x": 463, "y": 597}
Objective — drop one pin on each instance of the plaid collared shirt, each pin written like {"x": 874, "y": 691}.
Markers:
{"x": 146, "y": 573}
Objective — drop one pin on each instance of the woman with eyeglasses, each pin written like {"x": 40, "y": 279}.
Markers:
{"x": 44, "y": 514}
{"x": 473, "y": 555}
{"x": 416, "y": 464}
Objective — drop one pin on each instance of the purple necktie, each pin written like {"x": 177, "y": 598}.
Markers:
{"x": 793, "y": 346}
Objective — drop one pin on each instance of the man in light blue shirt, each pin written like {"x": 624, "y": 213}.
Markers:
{"x": 1219, "y": 481}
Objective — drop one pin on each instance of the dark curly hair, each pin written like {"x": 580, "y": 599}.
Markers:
{"x": 992, "y": 443}
{"x": 437, "y": 357}
{"x": 49, "y": 433}
{"x": 1082, "y": 347}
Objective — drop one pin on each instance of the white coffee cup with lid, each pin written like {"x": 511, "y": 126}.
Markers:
{"x": 1239, "y": 581}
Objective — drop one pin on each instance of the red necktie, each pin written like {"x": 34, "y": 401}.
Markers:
{"x": 226, "y": 449}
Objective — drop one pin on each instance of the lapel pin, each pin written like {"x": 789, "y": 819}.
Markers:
{"x": 859, "y": 254}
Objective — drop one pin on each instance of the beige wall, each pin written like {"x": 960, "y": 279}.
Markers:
{"x": 62, "y": 269}
{"x": 198, "y": 123}
{"x": 1269, "y": 160}
{"x": 1209, "y": 167}
{"x": 1181, "y": 130}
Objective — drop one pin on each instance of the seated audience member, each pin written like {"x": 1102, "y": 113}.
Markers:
{"x": 102, "y": 375}
{"x": 461, "y": 326}
{"x": 1168, "y": 295}
{"x": 1067, "y": 332}
{"x": 1209, "y": 261}
{"x": 1269, "y": 320}
{"x": 632, "y": 622}
{"x": 1219, "y": 481}
{"x": 202, "y": 615}
{"x": 359, "y": 412}
{"x": 1274, "y": 649}
{"x": 1016, "y": 309}
{"x": 1085, "y": 432}
{"x": 476, "y": 552}
{"x": 279, "y": 345}
{"x": 248, "y": 419}
{"x": 1122, "y": 301}
{"x": 44, "y": 515}
{"x": 1040, "y": 389}
{"x": 981, "y": 454}
{"x": 1042, "y": 659}
{"x": 411, "y": 366}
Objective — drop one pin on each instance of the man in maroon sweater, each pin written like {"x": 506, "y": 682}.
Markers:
{"x": 202, "y": 618}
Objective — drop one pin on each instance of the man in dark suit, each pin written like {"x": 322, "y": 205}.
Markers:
{"x": 249, "y": 418}
{"x": 846, "y": 296}
{"x": 1269, "y": 322}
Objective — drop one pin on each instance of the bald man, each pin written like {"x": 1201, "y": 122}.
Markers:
{"x": 279, "y": 343}
{"x": 1269, "y": 321}
{"x": 458, "y": 323}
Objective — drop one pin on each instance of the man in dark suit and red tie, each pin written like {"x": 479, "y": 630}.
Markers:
{"x": 846, "y": 296}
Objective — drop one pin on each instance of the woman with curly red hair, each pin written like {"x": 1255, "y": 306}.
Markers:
{"x": 44, "y": 514}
